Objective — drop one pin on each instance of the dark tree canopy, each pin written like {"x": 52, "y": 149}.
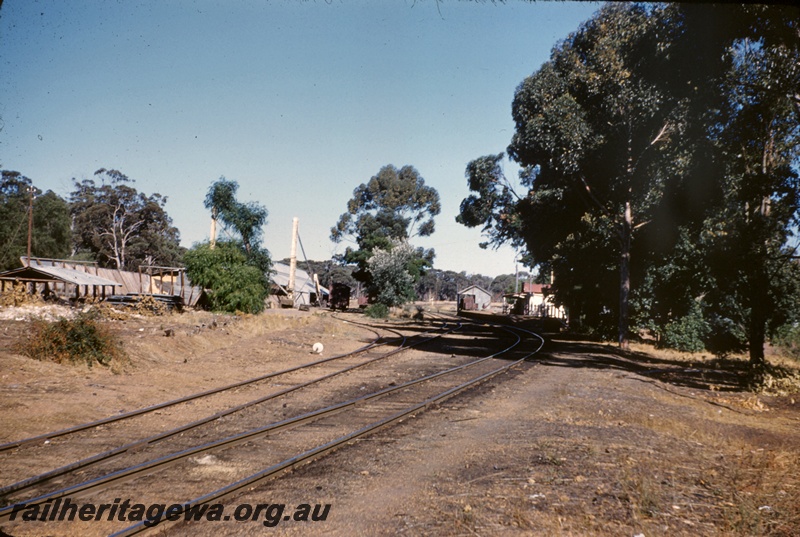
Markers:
{"x": 394, "y": 204}
{"x": 51, "y": 222}
{"x": 121, "y": 227}
{"x": 659, "y": 147}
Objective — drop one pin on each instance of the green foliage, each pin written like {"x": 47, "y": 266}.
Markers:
{"x": 391, "y": 283}
{"x": 377, "y": 311}
{"x": 787, "y": 338}
{"x": 246, "y": 220}
{"x": 233, "y": 272}
{"x": 79, "y": 340}
{"x": 757, "y": 134}
{"x": 688, "y": 333}
{"x": 594, "y": 135}
{"x": 725, "y": 335}
{"x": 51, "y": 221}
{"x": 52, "y": 231}
{"x": 233, "y": 281}
{"x": 121, "y": 227}
{"x": 660, "y": 158}
{"x": 393, "y": 205}
{"x": 489, "y": 207}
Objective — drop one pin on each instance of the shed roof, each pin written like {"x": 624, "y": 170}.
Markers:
{"x": 44, "y": 273}
{"x": 303, "y": 283}
{"x": 535, "y": 288}
{"x": 474, "y": 288}
{"x": 130, "y": 282}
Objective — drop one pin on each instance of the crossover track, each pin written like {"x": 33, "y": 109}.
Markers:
{"x": 260, "y": 442}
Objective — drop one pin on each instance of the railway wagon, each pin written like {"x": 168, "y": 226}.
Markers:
{"x": 340, "y": 297}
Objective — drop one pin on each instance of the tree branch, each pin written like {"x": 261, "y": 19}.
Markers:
{"x": 594, "y": 198}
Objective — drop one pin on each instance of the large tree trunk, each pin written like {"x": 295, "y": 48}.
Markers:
{"x": 625, "y": 275}
{"x": 759, "y": 283}
{"x": 759, "y": 307}
{"x": 757, "y": 331}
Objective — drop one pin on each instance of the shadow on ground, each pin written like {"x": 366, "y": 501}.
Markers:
{"x": 718, "y": 374}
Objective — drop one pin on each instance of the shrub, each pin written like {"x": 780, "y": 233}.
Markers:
{"x": 234, "y": 282}
{"x": 688, "y": 333}
{"x": 78, "y": 340}
{"x": 725, "y": 336}
{"x": 377, "y": 311}
{"x": 390, "y": 281}
{"x": 787, "y": 338}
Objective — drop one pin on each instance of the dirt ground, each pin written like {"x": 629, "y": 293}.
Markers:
{"x": 582, "y": 440}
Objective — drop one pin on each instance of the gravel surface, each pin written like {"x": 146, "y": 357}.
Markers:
{"x": 579, "y": 441}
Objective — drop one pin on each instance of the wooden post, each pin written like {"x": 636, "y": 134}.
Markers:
{"x": 293, "y": 258}
{"x": 30, "y": 224}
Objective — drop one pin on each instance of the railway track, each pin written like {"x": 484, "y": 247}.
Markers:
{"x": 230, "y": 453}
{"x": 109, "y": 437}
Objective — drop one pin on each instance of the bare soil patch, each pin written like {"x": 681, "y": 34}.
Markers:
{"x": 582, "y": 440}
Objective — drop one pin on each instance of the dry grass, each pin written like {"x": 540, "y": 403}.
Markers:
{"x": 18, "y": 295}
{"x": 198, "y": 333}
{"x": 82, "y": 340}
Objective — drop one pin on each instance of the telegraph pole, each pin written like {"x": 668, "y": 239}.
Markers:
{"x": 30, "y": 222}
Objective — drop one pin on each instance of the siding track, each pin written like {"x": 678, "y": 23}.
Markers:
{"x": 233, "y": 450}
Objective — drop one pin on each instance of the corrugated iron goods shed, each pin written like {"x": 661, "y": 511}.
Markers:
{"x": 128, "y": 283}
{"x": 305, "y": 292}
{"x": 474, "y": 297}
{"x": 50, "y": 278}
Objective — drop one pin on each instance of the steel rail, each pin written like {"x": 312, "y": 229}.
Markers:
{"x": 127, "y": 474}
{"x": 137, "y": 412}
{"x": 323, "y": 449}
{"x": 90, "y": 461}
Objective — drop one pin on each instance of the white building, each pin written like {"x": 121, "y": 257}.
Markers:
{"x": 535, "y": 300}
{"x": 474, "y": 298}
{"x": 305, "y": 290}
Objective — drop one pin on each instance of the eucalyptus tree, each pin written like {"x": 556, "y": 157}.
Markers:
{"x": 660, "y": 142}
{"x": 245, "y": 220}
{"x": 757, "y": 133}
{"x": 234, "y": 271}
{"x": 739, "y": 261}
{"x": 596, "y": 137}
{"x": 395, "y": 205}
{"x": 119, "y": 226}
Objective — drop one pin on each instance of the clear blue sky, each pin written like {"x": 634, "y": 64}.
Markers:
{"x": 297, "y": 101}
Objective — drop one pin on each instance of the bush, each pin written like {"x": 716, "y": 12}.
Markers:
{"x": 688, "y": 333}
{"x": 725, "y": 336}
{"x": 787, "y": 338}
{"x": 377, "y": 311}
{"x": 79, "y": 340}
{"x": 390, "y": 281}
{"x": 233, "y": 282}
